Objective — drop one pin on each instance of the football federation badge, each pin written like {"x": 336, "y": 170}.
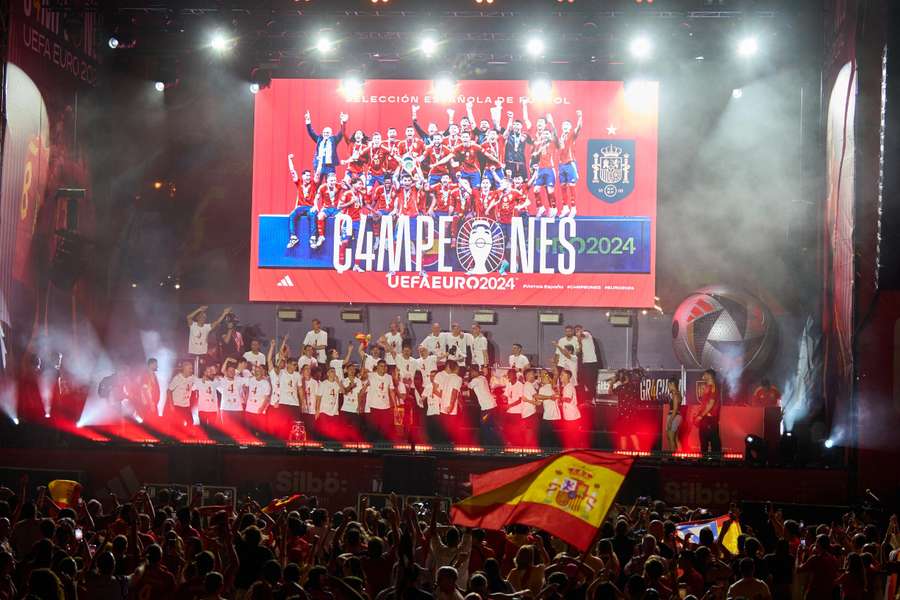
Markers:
{"x": 480, "y": 246}
{"x": 611, "y": 169}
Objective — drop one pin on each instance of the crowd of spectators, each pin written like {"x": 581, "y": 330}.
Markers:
{"x": 165, "y": 547}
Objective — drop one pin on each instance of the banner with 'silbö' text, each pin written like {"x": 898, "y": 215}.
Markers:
{"x": 470, "y": 202}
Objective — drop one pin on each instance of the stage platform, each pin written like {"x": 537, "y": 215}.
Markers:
{"x": 338, "y": 473}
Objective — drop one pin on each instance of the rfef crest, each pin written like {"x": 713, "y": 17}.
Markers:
{"x": 611, "y": 169}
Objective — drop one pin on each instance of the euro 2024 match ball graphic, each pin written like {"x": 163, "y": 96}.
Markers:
{"x": 725, "y": 329}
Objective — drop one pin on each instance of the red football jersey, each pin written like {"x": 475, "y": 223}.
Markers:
{"x": 469, "y": 156}
{"x": 481, "y": 201}
{"x": 546, "y": 156}
{"x": 434, "y": 154}
{"x": 352, "y": 203}
{"x": 328, "y": 198}
{"x": 380, "y": 200}
{"x": 379, "y": 158}
{"x": 491, "y": 149}
{"x": 305, "y": 193}
{"x": 567, "y": 147}
{"x": 414, "y": 147}
{"x": 506, "y": 208}
{"x": 408, "y": 201}
{"x": 359, "y": 165}
{"x": 446, "y": 199}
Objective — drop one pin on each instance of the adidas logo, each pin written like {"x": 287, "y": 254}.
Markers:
{"x": 286, "y": 281}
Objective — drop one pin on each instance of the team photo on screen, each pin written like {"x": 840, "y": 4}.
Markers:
{"x": 483, "y": 192}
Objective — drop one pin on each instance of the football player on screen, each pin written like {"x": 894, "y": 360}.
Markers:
{"x": 568, "y": 169}
{"x": 304, "y": 205}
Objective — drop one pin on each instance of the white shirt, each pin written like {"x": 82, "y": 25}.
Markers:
{"x": 231, "y": 397}
{"x": 310, "y": 389}
{"x": 317, "y": 339}
{"x": 570, "y": 410}
{"x": 479, "y": 346}
{"x": 255, "y": 358}
{"x": 287, "y": 388}
{"x": 328, "y": 397}
{"x": 338, "y": 365}
{"x": 378, "y": 394}
{"x": 206, "y": 395}
{"x": 514, "y": 397}
{"x": 571, "y": 364}
{"x": 258, "y": 395}
{"x": 519, "y": 362}
{"x": 351, "y": 395}
{"x": 407, "y": 368}
{"x": 572, "y": 341}
{"x": 427, "y": 366}
{"x": 432, "y": 402}
{"x": 435, "y": 343}
{"x": 551, "y": 407}
{"x": 460, "y": 344}
{"x": 479, "y": 386}
{"x": 449, "y": 384}
{"x": 199, "y": 337}
{"x": 528, "y": 406}
{"x": 393, "y": 341}
{"x": 369, "y": 362}
{"x": 307, "y": 360}
{"x": 181, "y": 387}
{"x": 588, "y": 350}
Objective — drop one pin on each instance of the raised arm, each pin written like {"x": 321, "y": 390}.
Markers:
{"x": 578, "y": 124}
{"x": 193, "y": 313}
{"x": 270, "y": 356}
{"x": 415, "y": 123}
{"x": 469, "y": 113}
{"x": 224, "y": 314}
{"x": 309, "y": 128}
{"x": 525, "y": 118}
{"x": 509, "y": 124}
{"x": 294, "y": 177}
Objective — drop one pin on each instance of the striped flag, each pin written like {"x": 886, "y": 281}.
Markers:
{"x": 566, "y": 495}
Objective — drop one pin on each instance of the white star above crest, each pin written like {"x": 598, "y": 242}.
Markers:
{"x": 611, "y": 130}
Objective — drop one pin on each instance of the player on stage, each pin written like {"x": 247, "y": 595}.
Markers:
{"x": 551, "y": 415}
{"x": 231, "y": 395}
{"x": 205, "y": 390}
{"x": 487, "y": 423}
{"x": 673, "y": 419}
{"x": 326, "y": 409}
{"x": 380, "y": 401}
{"x": 352, "y": 389}
{"x": 529, "y": 425}
{"x": 448, "y": 387}
{"x": 304, "y": 205}
{"x": 179, "y": 392}
{"x": 571, "y": 415}
{"x": 707, "y": 418}
{"x": 308, "y": 389}
{"x": 568, "y": 169}
{"x": 259, "y": 392}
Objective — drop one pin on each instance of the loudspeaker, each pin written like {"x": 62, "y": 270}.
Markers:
{"x": 413, "y": 475}
{"x": 772, "y": 430}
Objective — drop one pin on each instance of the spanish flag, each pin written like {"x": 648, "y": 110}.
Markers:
{"x": 285, "y": 502}
{"x": 566, "y": 495}
{"x": 691, "y": 531}
{"x": 64, "y": 492}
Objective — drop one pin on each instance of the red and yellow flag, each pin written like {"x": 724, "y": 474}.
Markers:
{"x": 64, "y": 492}
{"x": 566, "y": 495}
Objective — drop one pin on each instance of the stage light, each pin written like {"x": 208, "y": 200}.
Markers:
{"x": 160, "y": 86}
{"x": 324, "y": 44}
{"x": 177, "y": 286}
{"x": 644, "y": 312}
{"x": 829, "y": 443}
{"x": 254, "y": 88}
{"x": 428, "y": 46}
{"x": 113, "y": 42}
{"x": 737, "y": 93}
{"x": 754, "y": 450}
{"x": 534, "y": 45}
{"x": 619, "y": 318}
{"x": 540, "y": 90}
{"x": 641, "y": 47}
{"x": 748, "y": 46}
{"x": 46, "y": 415}
{"x": 351, "y": 315}
{"x": 79, "y": 425}
{"x": 418, "y": 316}
{"x": 157, "y": 184}
{"x": 15, "y": 420}
{"x": 485, "y": 317}
{"x": 549, "y": 318}
{"x": 444, "y": 88}
{"x": 351, "y": 87}
{"x": 289, "y": 314}
{"x": 219, "y": 42}
{"x": 134, "y": 284}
